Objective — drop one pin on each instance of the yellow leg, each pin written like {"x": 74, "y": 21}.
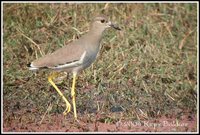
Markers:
{"x": 68, "y": 106}
{"x": 73, "y": 94}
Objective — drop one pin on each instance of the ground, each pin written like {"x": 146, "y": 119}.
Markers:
{"x": 144, "y": 78}
{"x": 28, "y": 121}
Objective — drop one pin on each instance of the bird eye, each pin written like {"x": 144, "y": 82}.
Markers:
{"x": 102, "y": 21}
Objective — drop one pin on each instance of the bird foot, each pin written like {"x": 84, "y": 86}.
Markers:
{"x": 68, "y": 109}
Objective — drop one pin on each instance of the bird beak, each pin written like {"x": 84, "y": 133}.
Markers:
{"x": 113, "y": 26}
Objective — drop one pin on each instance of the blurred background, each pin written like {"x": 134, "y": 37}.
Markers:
{"x": 147, "y": 70}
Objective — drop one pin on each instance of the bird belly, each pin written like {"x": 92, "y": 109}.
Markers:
{"x": 87, "y": 61}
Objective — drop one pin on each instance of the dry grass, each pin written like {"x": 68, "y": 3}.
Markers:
{"x": 146, "y": 70}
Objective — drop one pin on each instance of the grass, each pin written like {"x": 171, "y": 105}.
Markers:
{"x": 146, "y": 70}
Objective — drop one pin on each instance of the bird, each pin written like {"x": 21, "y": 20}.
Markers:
{"x": 74, "y": 57}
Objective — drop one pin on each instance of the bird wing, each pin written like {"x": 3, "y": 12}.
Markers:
{"x": 71, "y": 55}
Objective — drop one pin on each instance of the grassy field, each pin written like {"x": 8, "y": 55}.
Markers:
{"x": 146, "y": 70}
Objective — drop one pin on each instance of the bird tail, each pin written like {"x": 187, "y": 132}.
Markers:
{"x": 31, "y": 67}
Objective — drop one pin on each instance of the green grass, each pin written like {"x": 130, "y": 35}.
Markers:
{"x": 147, "y": 69}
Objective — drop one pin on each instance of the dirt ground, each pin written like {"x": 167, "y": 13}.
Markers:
{"x": 30, "y": 122}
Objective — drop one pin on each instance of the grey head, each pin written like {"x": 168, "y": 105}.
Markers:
{"x": 100, "y": 23}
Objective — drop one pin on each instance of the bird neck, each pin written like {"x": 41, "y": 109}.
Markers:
{"x": 96, "y": 34}
{"x": 96, "y": 30}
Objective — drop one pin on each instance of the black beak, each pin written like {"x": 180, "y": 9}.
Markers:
{"x": 114, "y": 26}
